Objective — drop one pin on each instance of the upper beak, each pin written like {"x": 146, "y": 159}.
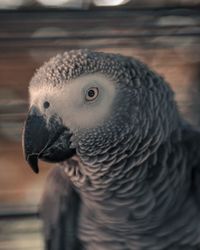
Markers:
{"x": 42, "y": 141}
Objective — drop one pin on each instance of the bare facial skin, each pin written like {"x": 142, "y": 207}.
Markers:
{"x": 72, "y": 103}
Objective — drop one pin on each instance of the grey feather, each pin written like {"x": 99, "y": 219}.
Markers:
{"x": 138, "y": 174}
{"x": 59, "y": 211}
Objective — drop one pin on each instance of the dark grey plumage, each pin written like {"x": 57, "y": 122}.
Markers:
{"x": 134, "y": 181}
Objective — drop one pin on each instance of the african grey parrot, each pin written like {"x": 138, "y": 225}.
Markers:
{"x": 129, "y": 171}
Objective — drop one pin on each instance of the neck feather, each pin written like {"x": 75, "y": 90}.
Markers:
{"x": 142, "y": 182}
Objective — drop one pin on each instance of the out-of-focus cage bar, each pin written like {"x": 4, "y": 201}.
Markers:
{"x": 92, "y": 4}
{"x": 164, "y": 34}
{"x": 20, "y": 228}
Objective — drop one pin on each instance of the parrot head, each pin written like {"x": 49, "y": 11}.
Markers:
{"x": 86, "y": 103}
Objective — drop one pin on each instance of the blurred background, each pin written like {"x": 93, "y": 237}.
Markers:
{"x": 163, "y": 33}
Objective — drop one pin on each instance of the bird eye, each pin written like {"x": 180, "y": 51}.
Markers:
{"x": 46, "y": 104}
{"x": 91, "y": 94}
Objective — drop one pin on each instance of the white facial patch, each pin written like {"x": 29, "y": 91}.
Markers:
{"x": 69, "y": 101}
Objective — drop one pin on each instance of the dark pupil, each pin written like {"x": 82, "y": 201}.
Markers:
{"x": 91, "y": 93}
{"x": 46, "y": 105}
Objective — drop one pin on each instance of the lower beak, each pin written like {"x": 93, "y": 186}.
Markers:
{"x": 49, "y": 142}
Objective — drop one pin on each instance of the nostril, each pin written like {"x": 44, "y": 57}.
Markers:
{"x": 46, "y": 105}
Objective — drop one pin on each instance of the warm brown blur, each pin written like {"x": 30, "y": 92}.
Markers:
{"x": 168, "y": 40}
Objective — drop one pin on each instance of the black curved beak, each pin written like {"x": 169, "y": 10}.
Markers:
{"x": 49, "y": 142}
